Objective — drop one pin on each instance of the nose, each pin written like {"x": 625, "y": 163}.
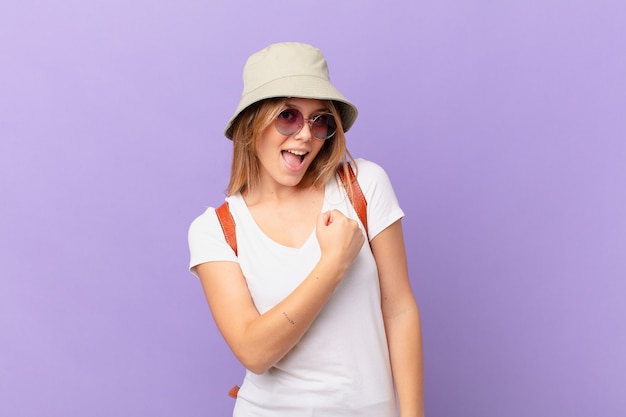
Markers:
{"x": 305, "y": 133}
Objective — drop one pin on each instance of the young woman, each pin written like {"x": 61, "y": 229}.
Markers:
{"x": 315, "y": 304}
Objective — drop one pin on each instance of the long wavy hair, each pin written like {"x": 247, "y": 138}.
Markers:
{"x": 247, "y": 130}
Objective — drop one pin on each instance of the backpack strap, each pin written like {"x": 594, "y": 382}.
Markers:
{"x": 228, "y": 225}
{"x": 350, "y": 184}
{"x": 232, "y": 393}
{"x": 355, "y": 194}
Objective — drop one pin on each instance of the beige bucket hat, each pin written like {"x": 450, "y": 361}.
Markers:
{"x": 290, "y": 69}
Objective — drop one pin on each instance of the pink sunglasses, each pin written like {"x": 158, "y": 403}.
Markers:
{"x": 290, "y": 121}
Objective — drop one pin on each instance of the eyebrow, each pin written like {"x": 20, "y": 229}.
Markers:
{"x": 321, "y": 109}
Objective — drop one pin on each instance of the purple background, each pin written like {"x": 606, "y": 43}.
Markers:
{"x": 501, "y": 124}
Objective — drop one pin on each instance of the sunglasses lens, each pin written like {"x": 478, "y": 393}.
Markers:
{"x": 289, "y": 121}
{"x": 324, "y": 126}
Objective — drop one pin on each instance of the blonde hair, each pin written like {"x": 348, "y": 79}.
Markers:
{"x": 247, "y": 130}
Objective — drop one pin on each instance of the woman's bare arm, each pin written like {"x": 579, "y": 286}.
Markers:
{"x": 260, "y": 340}
{"x": 402, "y": 319}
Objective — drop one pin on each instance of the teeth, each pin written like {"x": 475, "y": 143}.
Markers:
{"x": 299, "y": 153}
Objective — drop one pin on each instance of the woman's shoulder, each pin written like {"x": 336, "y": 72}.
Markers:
{"x": 208, "y": 220}
{"x": 204, "y": 221}
{"x": 368, "y": 171}
{"x": 207, "y": 241}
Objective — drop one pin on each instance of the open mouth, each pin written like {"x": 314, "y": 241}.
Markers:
{"x": 293, "y": 158}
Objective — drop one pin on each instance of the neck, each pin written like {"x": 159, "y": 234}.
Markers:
{"x": 276, "y": 193}
{"x": 267, "y": 188}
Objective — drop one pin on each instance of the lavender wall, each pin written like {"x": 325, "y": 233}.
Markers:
{"x": 502, "y": 125}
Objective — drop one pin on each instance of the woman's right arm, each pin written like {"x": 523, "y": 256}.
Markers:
{"x": 261, "y": 340}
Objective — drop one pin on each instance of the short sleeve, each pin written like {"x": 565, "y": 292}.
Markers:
{"x": 207, "y": 242}
{"x": 383, "y": 208}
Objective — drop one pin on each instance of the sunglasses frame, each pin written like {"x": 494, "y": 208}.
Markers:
{"x": 300, "y": 123}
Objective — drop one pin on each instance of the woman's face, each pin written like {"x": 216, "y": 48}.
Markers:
{"x": 283, "y": 160}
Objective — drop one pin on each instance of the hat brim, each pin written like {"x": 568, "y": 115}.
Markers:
{"x": 300, "y": 86}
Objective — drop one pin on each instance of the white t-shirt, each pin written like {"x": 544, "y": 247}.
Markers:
{"x": 340, "y": 367}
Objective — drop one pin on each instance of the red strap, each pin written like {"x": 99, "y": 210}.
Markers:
{"x": 355, "y": 194}
{"x": 228, "y": 225}
{"x": 233, "y": 391}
